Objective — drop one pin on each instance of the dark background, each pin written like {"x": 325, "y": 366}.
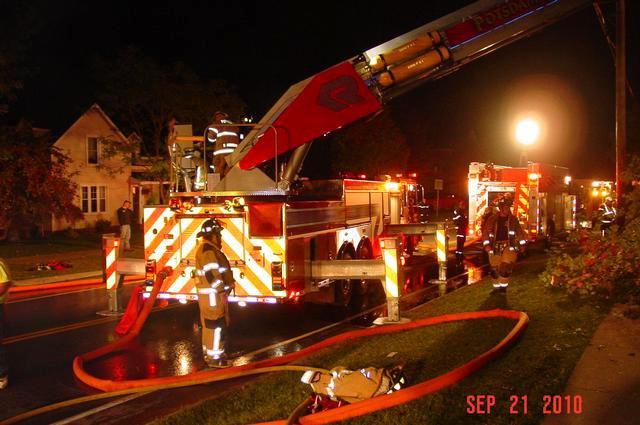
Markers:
{"x": 565, "y": 73}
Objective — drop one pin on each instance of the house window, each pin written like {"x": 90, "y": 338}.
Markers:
{"x": 92, "y": 150}
{"x": 94, "y": 199}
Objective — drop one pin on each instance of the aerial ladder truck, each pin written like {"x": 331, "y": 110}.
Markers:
{"x": 277, "y": 227}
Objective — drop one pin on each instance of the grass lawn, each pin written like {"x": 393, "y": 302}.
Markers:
{"x": 539, "y": 364}
{"x": 84, "y": 253}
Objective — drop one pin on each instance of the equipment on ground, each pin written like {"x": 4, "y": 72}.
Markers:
{"x": 340, "y": 386}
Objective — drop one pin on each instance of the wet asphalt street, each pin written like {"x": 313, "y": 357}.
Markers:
{"x": 46, "y": 333}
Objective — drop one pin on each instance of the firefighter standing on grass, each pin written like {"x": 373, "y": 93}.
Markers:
{"x": 502, "y": 238}
{"x": 461, "y": 222}
{"x": 214, "y": 283}
{"x": 607, "y": 216}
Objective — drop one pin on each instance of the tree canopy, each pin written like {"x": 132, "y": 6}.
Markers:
{"x": 376, "y": 146}
{"x": 143, "y": 96}
{"x": 35, "y": 181}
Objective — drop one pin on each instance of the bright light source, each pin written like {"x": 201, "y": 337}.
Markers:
{"x": 527, "y": 131}
{"x": 567, "y": 180}
{"x": 392, "y": 186}
{"x": 595, "y": 192}
{"x": 534, "y": 176}
{"x": 242, "y": 303}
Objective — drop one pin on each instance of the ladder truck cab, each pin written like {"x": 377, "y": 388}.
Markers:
{"x": 540, "y": 194}
{"x": 277, "y": 224}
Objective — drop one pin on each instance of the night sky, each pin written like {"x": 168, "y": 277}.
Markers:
{"x": 565, "y": 73}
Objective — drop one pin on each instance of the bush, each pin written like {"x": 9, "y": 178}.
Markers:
{"x": 604, "y": 267}
{"x": 608, "y": 266}
{"x": 71, "y": 233}
{"x": 103, "y": 226}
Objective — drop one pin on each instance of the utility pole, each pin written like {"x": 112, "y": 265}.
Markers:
{"x": 621, "y": 96}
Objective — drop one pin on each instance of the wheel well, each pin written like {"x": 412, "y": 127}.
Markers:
{"x": 346, "y": 251}
{"x": 365, "y": 249}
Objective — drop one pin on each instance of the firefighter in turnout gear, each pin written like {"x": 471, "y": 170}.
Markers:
{"x": 607, "y": 216}
{"x": 461, "y": 220}
{"x": 502, "y": 238}
{"x": 225, "y": 138}
{"x": 214, "y": 283}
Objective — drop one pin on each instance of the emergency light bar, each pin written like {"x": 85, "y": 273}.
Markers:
{"x": 264, "y": 300}
{"x": 194, "y": 297}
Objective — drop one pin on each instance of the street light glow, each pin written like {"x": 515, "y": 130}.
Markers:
{"x": 527, "y": 131}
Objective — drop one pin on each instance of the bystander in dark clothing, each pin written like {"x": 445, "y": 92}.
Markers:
{"x": 125, "y": 219}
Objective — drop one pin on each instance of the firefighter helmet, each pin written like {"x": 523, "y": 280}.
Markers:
{"x": 210, "y": 227}
{"x": 505, "y": 201}
{"x": 222, "y": 114}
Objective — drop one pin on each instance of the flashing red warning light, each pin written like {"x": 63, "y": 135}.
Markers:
{"x": 175, "y": 204}
{"x": 362, "y": 176}
{"x": 398, "y": 175}
{"x": 413, "y": 175}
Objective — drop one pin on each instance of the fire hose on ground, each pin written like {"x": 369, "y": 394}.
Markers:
{"x": 117, "y": 388}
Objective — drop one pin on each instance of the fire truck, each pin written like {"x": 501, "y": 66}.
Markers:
{"x": 540, "y": 192}
{"x": 591, "y": 194}
{"x": 276, "y": 224}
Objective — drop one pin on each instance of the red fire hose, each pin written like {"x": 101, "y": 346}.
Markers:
{"x": 329, "y": 416}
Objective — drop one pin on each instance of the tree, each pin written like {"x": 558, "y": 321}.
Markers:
{"x": 142, "y": 96}
{"x": 35, "y": 180}
{"x": 373, "y": 147}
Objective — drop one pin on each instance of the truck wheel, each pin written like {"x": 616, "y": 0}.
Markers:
{"x": 344, "y": 288}
{"x": 367, "y": 294}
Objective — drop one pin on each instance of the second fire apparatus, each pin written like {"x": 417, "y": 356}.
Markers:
{"x": 276, "y": 227}
{"x": 540, "y": 193}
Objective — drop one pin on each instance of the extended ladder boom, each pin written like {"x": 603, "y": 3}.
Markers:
{"x": 359, "y": 86}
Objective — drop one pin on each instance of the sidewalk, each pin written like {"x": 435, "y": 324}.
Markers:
{"x": 607, "y": 376}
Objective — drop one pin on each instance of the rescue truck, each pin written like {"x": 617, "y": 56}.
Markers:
{"x": 540, "y": 193}
{"x": 276, "y": 224}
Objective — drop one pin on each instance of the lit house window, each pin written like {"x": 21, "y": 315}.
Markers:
{"x": 92, "y": 150}
{"x": 94, "y": 199}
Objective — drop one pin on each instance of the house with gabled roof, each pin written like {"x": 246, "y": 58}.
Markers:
{"x": 104, "y": 181}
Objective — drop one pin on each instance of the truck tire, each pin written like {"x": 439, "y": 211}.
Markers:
{"x": 344, "y": 288}
{"x": 366, "y": 293}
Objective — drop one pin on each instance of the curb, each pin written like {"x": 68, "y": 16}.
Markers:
{"x": 68, "y": 284}
{"x": 58, "y": 278}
